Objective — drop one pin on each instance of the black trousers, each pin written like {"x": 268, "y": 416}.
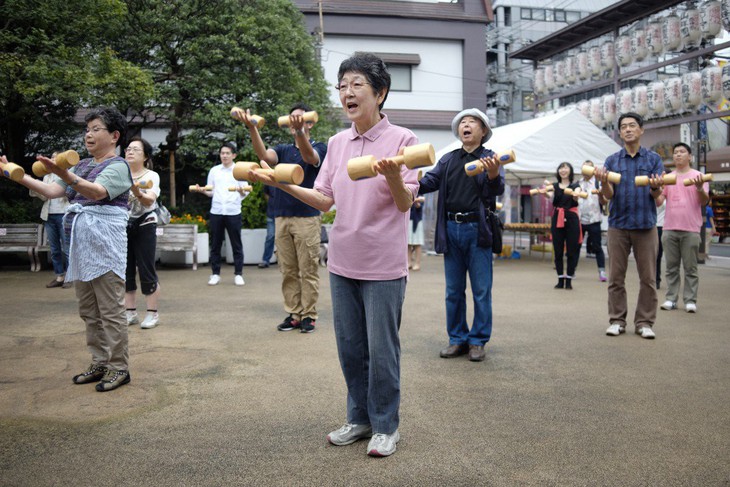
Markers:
{"x": 566, "y": 238}
{"x": 141, "y": 243}
{"x": 231, "y": 224}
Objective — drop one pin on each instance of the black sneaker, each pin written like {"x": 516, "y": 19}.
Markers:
{"x": 307, "y": 325}
{"x": 113, "y": 379}
{"x": 93, "y": 374}
{"x": 288, "y": 324}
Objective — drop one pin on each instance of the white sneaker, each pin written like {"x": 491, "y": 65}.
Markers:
{"x": 690, "y": 308}
{"x": 646, "y": 332}
{"x": 669, "y": 305}
{"x": 382, "y": 445}
{"x": 132, "y": 318}
{"x": 238, "y": 280}
{"x": 615, "y": 329}
{"x": 350, "y": 433}
{"x": 150, "y": 321}
{"x": 214, "y": 279}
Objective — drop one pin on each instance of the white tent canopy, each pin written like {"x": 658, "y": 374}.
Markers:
{"x": 541, "y": 144}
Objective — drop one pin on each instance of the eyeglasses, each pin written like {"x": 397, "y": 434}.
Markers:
{"x": 356, "y": 87}
{"x": 95, "y": 130}
{"x": 133, "y": 149}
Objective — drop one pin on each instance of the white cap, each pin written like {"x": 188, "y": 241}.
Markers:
{"x": 471, "y": 112}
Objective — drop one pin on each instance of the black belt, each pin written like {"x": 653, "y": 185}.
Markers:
{"x": 458, "y": 217}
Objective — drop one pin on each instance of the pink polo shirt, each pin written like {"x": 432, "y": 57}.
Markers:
{"x": 369, "y": 239}
{"x": 684, "y": 211}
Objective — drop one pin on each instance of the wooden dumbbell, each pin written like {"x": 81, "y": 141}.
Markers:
{"x": 284, "y": 120}
{"x": 595, "y": 191}
{"x": 64, "y": 160}
{"x": 474, "y": 167}
{"x": 258, "y": 121}
{"x": 706, "y": 178}
{"x": 283, "y": 173}
{"x": 12, "y": 171}
{"x": 578, "y": 192}
{"x": 543, "y": 190}
{"x": 669, "y": 179}
{"x": 499, "y": 206}
{"x": 244, "y": 188}
{"x": 414, "y": 156}
{"x": 587, "y": 170}
{"x": 202, "y": 188}
{"x": 144, "y": 184}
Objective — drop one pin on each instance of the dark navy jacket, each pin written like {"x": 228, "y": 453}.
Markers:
{"x": 435, "y": 180}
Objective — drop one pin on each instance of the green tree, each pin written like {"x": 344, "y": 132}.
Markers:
{"x": 207, "y": 56}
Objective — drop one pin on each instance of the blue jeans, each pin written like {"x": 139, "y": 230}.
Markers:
{"x": 367, "y": 316}
{"x": 464, "y": 255}
{"x": 56, "y": 238}
{"x": 270, "y": 237}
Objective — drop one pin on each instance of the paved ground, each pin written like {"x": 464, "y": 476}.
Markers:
{"x": 218, "y": 397}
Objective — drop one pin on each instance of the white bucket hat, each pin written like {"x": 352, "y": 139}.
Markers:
{"x": 471, "y": 112}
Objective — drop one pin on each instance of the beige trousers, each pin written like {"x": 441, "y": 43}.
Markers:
{"x": 297, "y": 252}
{"x": 680, "y": 249}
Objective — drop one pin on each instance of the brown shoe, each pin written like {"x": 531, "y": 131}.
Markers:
{"x": 476, "y": 353}
{"x": 68, "y": 285}
{"x": 54, "y": 283}
{"x": 454, "y": 350}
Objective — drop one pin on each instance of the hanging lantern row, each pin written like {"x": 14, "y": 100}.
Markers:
{"x": 670, "y": 34}
{"x": 660, "y": 98}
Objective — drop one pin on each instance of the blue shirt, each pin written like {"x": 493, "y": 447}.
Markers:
{"x": 286, "y": 204}
{"x": 632, "y": 207}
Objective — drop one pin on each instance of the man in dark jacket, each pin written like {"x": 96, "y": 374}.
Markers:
{"x": 463, "y": 234}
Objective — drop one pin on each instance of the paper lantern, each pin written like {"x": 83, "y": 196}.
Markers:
{"x": 726, "y": 15}
{"x": 570, "y": 69}
{"x": 608, "y": 56}
{"x": 671, "y": 36}
{"x": 638, "y": 45}
{"x": 673, "y": 94}
{"x": 560, "y": 73}
{"x": 582, "y": 65}
{"x": 638, "y": 100}
{"x": 691, "y": 90}
{"x": 549, "y": 77}
{"x": 654, "y": 42}
{"x": 594, "y": 60}
{"x": 608, "y": 107}
{"x": 623, "y": 50}
{"x": 711, "y": 83}
{"x": 711, "y": 18}
{"x": 655, "y": 98}
{"x": 624, "y": 104}
{"x": 584, "y": 108}
{"x": 596, "y": 112}
{"x": 538, "y": 83}
{"x": 726, "y": 81}
{"x": 691, "y": 28}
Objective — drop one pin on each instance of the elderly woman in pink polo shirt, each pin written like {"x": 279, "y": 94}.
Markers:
{"x": 368, "y": 261}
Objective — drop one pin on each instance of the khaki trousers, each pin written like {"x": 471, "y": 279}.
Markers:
{"x": 297, "y": 252}
{"x": 101, "y": 306}
{"x": 645, "y": 245}
{"x": 680, "y": 248}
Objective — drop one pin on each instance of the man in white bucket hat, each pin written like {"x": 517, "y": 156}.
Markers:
{"x": 462, "y": 232}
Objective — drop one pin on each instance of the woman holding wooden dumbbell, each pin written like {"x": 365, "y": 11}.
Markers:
{"x": 142, "y": 233}
{"x": 565, "y": 225}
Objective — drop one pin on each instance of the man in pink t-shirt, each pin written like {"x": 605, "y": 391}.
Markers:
{"x": 682, "y": 224}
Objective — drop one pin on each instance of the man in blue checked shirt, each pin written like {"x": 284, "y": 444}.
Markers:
{"x": 631, "y": 225}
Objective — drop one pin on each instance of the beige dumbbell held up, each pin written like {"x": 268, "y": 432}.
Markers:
{"x": 548, "y": 187}
{"x": 194, "y": 188}
{"x": 613, "y": 177}
{"x": 65, "y": 160}
{"x": 283, "y": 173}
{"x": 669, "y": 179}
{"x": 238, "y": 113}
{"x": 474, "y": 167}
{"x": 144, "y": 184}
{"x": 414, "y": 156}
{"x": 572, "y": 192}
{"x": 284, "y": 120}
{"x": 243, "y": 188}
{"x": 706, "y": 178}
{"x": 12, "y": 171}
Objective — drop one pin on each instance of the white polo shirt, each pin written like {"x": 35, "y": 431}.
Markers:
{"x": 224, "y": 202}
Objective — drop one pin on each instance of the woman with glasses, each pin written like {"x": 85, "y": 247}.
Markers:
{"x": 368, "y": 261}
{"x": 142, "y": 234}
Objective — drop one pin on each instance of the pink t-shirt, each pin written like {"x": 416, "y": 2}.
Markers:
{"x": 369, "y": 239}
{"x": 684, "y": 211}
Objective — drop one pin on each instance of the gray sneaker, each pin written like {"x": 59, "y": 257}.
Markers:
{"x": 382, "y": 445}
{"x": 132, "y": 318}
{"x": 93, "y": 374}
{"x": 113, "y": 379}
{"x": 350, "y": 433}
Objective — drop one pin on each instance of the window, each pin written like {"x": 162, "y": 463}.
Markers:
{"x": 528, "y": 101}
{"x": 560, "y": 16}
{"x": 525, "y": 14}
{"x": 507, "y": 16}
{"x": 538, "y": 14}
{"x": 572, "y": 16}
{"x": 400, "y": 77}
{"x": 549, "y": 15}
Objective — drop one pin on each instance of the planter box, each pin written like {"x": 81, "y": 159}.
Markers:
{"x": 254, "y": 241}
{"x": 186, "y": 258}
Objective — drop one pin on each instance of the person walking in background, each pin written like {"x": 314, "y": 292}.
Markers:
{"x": 298, "y": 225}
{"x": 415, "y": 234}
{"x": 709, "y": 224}
{"x": 463, "y": 234}
{"x": 660, "y": 210}
{"x": 591, "y": 217}
{"x": 270, "y": 195}
{"x": 225, "y": 215}
{"x": 142, "y": 235}
{"x": 52, "y": 215}
{"x": 565, "y": 224}
{"x": 682, "y": 221}
{"x": 631, "y": 225}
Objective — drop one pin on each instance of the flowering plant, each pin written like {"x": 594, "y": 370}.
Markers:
{"x": 187, "y": 218}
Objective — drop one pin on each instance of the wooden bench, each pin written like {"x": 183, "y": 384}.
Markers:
{"x": 22, "y": 237}
{"x": 179, "y": 237}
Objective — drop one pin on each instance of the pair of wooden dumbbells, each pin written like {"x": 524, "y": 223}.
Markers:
{"x": 283, "y": 121}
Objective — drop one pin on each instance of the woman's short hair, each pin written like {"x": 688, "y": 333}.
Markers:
{"x": 147, "y": 148}
{"x": 112, "y": 118}
{"x": 372, "y": 67}
{"x": 570, "y": 166}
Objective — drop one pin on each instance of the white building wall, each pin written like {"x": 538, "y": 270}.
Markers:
{"x": 436, "y": 83}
